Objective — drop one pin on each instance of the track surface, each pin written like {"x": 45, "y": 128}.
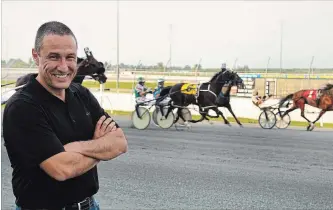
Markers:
{"x": 214, "y": 166}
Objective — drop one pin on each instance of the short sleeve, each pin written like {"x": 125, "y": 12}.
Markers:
{"x": 28, "y": 137}
{"x": 95, "y": 108}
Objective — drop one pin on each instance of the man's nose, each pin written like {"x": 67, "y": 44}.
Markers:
{"x": 62, "y": 65}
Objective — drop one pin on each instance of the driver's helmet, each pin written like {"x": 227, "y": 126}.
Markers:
{"x": 223, "y": 66}
{"x": 160, "y": 82}
{"x": 141, "y": 80}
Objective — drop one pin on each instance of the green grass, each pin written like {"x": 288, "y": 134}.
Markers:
{"x": 230, "y": 119}
{"x": 122, "y": 85}
{"x": 112, "y": 84}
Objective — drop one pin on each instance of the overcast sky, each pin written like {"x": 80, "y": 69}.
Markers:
{"x": 215, "y": 31}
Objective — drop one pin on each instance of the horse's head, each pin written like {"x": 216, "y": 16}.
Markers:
{"x": 91, "y": 67}
{"x": 328, "y": 87}
{"x": 222, "y": 77}
{"x": 237, "y": 81}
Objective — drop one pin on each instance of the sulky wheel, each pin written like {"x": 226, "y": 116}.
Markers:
{"x": 282, "y": 123}
{"x": 267, "y": 119}
{"x": 141, "y": 118}
{"x": 163, "y": 121}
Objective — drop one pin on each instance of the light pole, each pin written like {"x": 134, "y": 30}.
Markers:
{"x": 269, "y": 58}
{"x": 310, "y": 68}
{"x": 235, "y": 62}
{"x": 170, "y": 48}
{"x": 196, "y": 71}
{"x": 281, "y": 47}
{"x": 117, "y": 46}
{"x": 137, "y": 65}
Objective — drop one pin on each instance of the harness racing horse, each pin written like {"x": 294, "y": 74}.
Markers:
{"x": 203, "y": 95}
{"x": 90, "y": 67}
{"x": 223, "y": 99}
{"x": 86, "y": 67}
{"x": 302, "y": 97}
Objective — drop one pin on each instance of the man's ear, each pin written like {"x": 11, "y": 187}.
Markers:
{"x": 35, "y": 56}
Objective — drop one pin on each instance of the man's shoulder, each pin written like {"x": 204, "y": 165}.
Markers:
{"x": 78, "y": 88}
{"x": 22, "y": 100}
{"x": 81, "y": 91}
{"x": 22, "y": 95}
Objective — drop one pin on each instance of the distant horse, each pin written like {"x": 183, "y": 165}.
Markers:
{"x": 86, "y": 67}
{"x": 302, "y": 97}
{"x": 90, "y": 67}
{"x": 223, "y": 99}
{"x": 203, "y": 95}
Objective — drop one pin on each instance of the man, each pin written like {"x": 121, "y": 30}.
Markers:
{"x": 55, "y": 131}
{"x": 223, "y": 67}
{"x": 160, "y": 86}
{"x": 256, "y": 99}
{"x": 141, "y": 91}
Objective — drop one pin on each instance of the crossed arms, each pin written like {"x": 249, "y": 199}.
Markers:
{"x": 79, "y": 157}
{"x": 33, "y": 142}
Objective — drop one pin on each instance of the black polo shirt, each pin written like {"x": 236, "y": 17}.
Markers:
{"x": 36, "y": 125}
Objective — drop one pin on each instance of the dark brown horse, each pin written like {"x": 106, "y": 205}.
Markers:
{"x": 323, "y": 101}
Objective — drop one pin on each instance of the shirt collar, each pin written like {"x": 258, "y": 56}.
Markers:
{"x": 43, "y": 93}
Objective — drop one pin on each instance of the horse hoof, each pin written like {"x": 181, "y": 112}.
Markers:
{"x": 309, "y": 127}
{"x": 228, "y": 124}
{"x": 241, "y": 126}
{"x": 312, "y": 126}
{"x": 210, "y": 122}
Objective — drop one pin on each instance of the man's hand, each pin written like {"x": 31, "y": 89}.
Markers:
{"x": 107, "y": 147}
{"x": 104, "y": 126}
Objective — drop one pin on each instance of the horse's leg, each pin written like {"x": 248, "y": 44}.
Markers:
{"x": 301, "y": 105}
{"x": 228, "y": 106}
{"x": 319, "y": 116}
{"x": 289, "y": 110}
{"x": 168, "y": 112}
{"x": 177, "y": 118}
{"x": 216, "y": 109}
{"x": 203, "y": 114}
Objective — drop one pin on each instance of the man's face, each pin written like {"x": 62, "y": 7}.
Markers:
{"x": 142, "y": 83}
{"x": 57, "y": 61}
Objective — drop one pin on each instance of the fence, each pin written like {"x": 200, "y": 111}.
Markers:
{"x": 282, "y": 87}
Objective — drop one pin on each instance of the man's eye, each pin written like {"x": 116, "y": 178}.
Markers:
{"x": 53, "y": 57}
{"x": 71, "y": 58}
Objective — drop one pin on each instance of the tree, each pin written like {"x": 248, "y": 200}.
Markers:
{"x": 31, "y": 61}
{"x": 160, "y": 65}
{"x": 187, "y": 67}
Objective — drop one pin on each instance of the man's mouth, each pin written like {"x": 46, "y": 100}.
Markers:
{"x": 61, "y": 75}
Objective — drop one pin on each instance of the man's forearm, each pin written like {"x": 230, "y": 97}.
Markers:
{"x": 79, "y": 164}
{"x": 67, "y": 165}
{"x": 104, "y": 148}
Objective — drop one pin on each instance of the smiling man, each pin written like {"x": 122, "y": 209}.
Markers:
{"x": 55, "y": 131}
